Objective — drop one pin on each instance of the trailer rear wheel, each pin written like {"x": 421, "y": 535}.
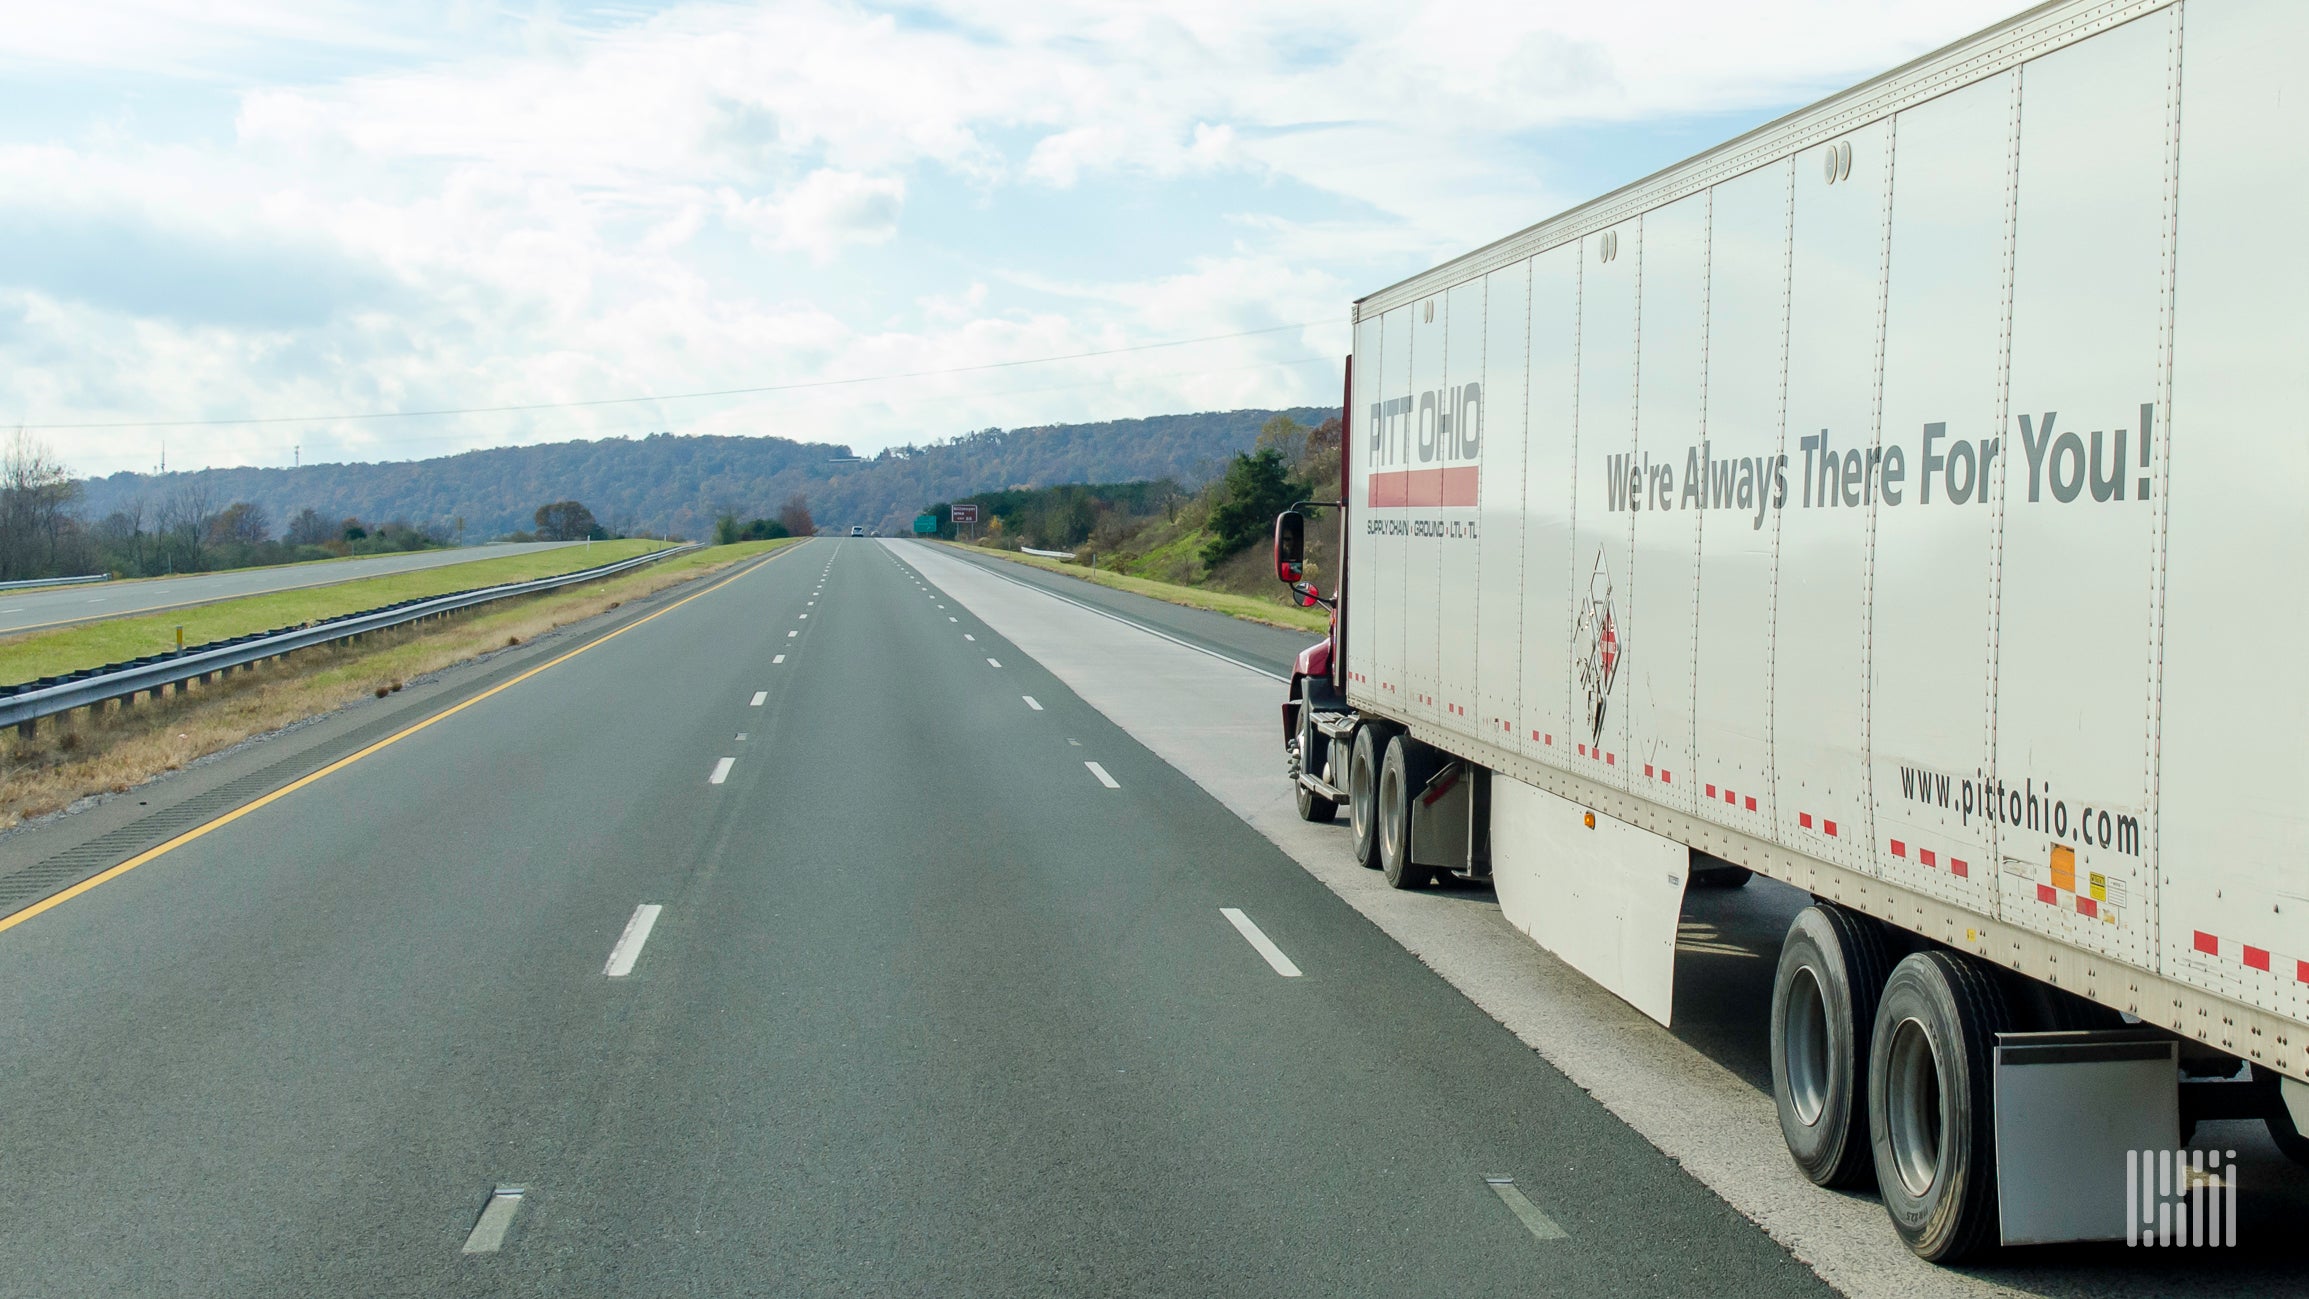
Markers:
{"x": 1401, "y": 776}
{"x": 1832, "y": 970}
{"x": 1931, "y": 1103}
{"x": 1363, "y": 795}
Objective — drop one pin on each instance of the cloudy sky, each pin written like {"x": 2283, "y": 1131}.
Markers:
{"x": 278, "y": 209}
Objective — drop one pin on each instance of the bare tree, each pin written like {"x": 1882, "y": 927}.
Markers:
{"x": 184, "y": 523}
{"x": 795, "y": 514}
{"x": 36, "y": 497}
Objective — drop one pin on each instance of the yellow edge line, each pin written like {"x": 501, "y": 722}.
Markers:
{"x": 150, "y": 854}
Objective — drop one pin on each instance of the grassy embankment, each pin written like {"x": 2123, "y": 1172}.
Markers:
{"x": 118, "y": 748}
{"x": 1268, "y": 609}
{"x": 37, "y": 654}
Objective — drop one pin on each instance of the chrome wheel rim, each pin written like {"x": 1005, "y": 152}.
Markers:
{"x": 1914, "y": 1120}
{"x": 1804, "y": 1046}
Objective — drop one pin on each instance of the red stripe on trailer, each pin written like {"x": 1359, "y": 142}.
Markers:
{"x": 1957, "y": 867}
{"x": 1728, "y": 797}
{"x": 1711, "y": 791}
{"x": 1647, "y": 769}
{"x": 2301, "y": 971}
{"x": 1751, "y": 803}
{"x": 1549, "y": 740}
{"x": 2047, "y": 893}
{"x": 1924, "y": 855}
{"x": 2087, "y": 907}
{"x": 1804, "y": 819}
{"x": 1583, "y": 750}
{"x": 2206, "y": 943}
{"x": 1830, "y": 827}
{"x": 1899, "y": 849}
{"x": 2257, "y": 957}
{"x": 1667, "y": 777}
{"x": 1611, "y": 759}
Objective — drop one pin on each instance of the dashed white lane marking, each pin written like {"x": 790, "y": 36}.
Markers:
{"x": 628, "y": 949}
{"x": 968, "y": 636}
{"x": 805, "y": 617}
{"x": 1030, "y": 702}
{"x": 761, "y": 695}
{"x": 993, "y": 663}
{"x": 1538, "y": 1224}
{"x": 721, "y": 771}
{"x": 952, "y": 618}
{"x": 790, "y": 635}
{"x": 779, "y": 659}
{"x": 1259, "y": 940}
{"x": 1103, "y": 779}
{"x": 741, "y": 737}
{"x": 496, "y": 1218}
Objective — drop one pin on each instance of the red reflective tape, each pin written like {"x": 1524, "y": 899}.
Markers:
{"x": 2257, "y": 957}
{"x": 1899, "y": 849}
{"x": 1647, "y": 769}
{"x": 1728, "y": 797}
{"x": 1924, "y": 855}
{"x": 1957, "y": 867}
{"x": 1667, "y": 777}
{"x": 1711, "y": 791}
{"x": 2301, "y": 971}
{"x": 1549, "y": 740}
{"x": 1804, "y": 819}
{"x": 1583, "y": 750}
{"x": 2047, "y": 893}
{"x": 1829, "y": 827}
{"x": 1750, "y": 802}
{"x": 2087, "y": 907}
{"x": 2207, "y": 944}
{"x": 1535, "y": 735}
{"x": 1611, "y": 759}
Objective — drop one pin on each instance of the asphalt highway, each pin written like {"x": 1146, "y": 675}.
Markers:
{"x": 795, "y": 935}
{"x": 30, "y": 610}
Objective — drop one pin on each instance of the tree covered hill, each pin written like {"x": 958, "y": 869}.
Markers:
{"x": 681, "y": 484}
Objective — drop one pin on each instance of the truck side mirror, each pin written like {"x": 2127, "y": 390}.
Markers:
{"x": 1290, "y": 547}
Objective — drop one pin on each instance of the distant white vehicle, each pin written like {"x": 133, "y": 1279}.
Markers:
{"x": 857, "y": 531}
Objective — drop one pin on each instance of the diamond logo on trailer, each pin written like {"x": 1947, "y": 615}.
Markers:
{"x": 1599, "y": 631}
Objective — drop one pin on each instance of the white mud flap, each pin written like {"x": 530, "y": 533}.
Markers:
{"x": 2070, "y": 1107}
{"x": 1600, "y": 893}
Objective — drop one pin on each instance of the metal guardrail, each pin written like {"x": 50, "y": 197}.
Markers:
{"x": 22, "y": 705}
{"x": 30, "y": 582}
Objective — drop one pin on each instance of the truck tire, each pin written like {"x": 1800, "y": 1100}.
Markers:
{"x": 1363, "y": 795}
{"x": 1402, "y": 774}
{"x": 1832, "y": 970}
{"x": 2279, "y": 1121}
{"x": 1931, "y": 1103}
{"x": 1311, "y": 748}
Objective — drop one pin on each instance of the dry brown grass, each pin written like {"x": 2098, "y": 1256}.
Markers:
{"x": 117, "y": 748}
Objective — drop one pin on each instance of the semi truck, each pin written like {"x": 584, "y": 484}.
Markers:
{"x": 1897, "y": 501}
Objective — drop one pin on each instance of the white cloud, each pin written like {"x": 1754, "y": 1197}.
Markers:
{"x": 480, "y": 208}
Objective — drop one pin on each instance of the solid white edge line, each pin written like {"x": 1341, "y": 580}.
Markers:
{"x": 1259, "y": 941}
{"x": 628, "y": 949}
{"x": 1030, "y": 702}
{"x": 721, "y": 771}
{"x": 1103, "y": 779}
{"x": 760, "y": 695}
{"x": 1537, "y": 1223}
{"x": 496, "y": 1218}
{"x": 989, "y": 569}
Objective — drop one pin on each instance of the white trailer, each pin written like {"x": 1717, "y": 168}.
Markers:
{"x": 1898, "y": 501}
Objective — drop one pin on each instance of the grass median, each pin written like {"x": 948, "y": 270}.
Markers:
{"x": 114, "y": 748}
{"x": 1273, "y": 612}
{"x": 116, "y": 640}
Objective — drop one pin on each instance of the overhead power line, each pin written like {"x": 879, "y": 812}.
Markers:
{"x": 675, "y": 396}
